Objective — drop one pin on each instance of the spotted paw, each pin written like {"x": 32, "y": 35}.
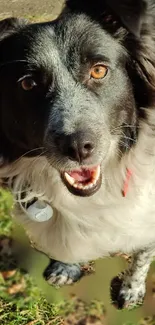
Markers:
{"x": 126, "y": 294}
{"x": 59, "y": 274}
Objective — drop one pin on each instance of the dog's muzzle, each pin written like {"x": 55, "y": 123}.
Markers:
{"x": 83, "y": 181}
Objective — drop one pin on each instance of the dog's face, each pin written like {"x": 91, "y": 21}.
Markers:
{"x": 65, "y": 89}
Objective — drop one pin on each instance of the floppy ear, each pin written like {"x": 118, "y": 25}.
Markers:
{"x": 138, "y": 18}
{"x": 9, "y": 25}
{"x": 130, "y": 13}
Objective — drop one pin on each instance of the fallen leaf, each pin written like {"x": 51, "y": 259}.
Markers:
{"x": 8, "y": 274}
{"x": 18, "y": 287}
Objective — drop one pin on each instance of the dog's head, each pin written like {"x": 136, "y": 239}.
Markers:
{"x": 66, "y": 91}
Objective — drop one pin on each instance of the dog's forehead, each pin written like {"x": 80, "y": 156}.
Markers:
{"x": 40, "y": 46}
{"x": 85, "y": 35}
{"x": 64, "y": 40}
{"x": 77, "y": 34}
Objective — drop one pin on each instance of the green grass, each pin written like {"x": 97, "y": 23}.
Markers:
{"x": 21, "y": 301}
{"x": 5, "y": 207}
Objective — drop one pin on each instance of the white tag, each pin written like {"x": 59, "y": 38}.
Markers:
{"x": 40, "y": 211}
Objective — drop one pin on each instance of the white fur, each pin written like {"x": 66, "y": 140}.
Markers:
{"x": 83, "y": 229}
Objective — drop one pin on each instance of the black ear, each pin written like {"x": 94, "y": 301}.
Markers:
{"x": 130, "y": 13}
{"x": 9, "y": 25}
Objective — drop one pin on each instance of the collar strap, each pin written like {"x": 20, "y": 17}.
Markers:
{"x": 126, "y": 182}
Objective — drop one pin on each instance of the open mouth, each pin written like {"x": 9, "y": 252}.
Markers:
{"x": 83, "y": 181}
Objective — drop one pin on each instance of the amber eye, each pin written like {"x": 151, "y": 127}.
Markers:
{"x": 28, "y": 83}
{"x": 98, "y": 71}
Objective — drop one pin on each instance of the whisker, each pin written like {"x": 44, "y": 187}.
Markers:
{"x": 120, "y": 127}
{"x": 27, "y": 152}
{"x": 38, "y": 156}
{"x": 128, "y": 138}
{"x": 124, "y": 144}
{"x": 12, "y": 62}
{"x": 44, "y": 168}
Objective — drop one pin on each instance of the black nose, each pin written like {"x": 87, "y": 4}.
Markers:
{"x": 78, "y": 146}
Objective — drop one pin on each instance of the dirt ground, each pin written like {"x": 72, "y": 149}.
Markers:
{"x": 30, "y": 8}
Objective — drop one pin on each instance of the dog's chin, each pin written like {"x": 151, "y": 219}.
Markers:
{"x": 84, "y": 181}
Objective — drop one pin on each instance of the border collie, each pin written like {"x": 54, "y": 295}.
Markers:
{"x": 77, "y": 131}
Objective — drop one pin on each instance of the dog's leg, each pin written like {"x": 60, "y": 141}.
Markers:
{"x": 128, "y": 289}
{"x": 59, "y": 273}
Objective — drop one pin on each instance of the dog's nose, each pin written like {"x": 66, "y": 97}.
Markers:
{"x": 78, "y": 146}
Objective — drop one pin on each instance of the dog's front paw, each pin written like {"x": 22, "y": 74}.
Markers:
{"x": 127, "y": 294}
{"x": 59, "y": 274}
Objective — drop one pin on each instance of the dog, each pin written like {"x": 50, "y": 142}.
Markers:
{"x": 77, "y": 131}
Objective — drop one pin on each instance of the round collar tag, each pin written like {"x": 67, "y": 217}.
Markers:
{"x": 40, "y": 211}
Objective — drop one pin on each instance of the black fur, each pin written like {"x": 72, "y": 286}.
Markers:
{"x": 130, "y": 13}
{"x": 58, "y": 273}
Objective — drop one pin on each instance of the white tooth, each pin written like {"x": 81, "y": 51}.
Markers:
{"x": 84, "y": 187}
{"x": 98, "y": 170}
{"x": 96, "y": 175}
{"x": 75, "y": 185}
{"x": 91, "y": 185}
{"x": 87, "y": 187}
{"x": 80, "y": 186}
{"x": 69, "y": 179}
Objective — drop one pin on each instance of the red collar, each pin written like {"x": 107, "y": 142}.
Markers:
{"x": 126, "y": 182}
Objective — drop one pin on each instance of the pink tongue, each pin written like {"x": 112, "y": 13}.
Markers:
{"x": 81, "y": 175}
